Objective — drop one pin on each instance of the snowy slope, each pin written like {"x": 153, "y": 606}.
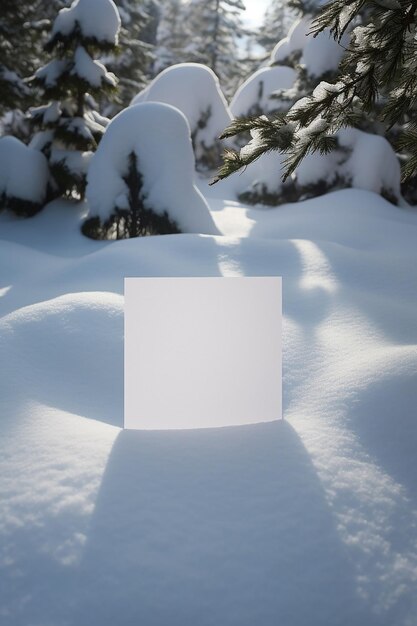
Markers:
{"x": 312, "y": 520}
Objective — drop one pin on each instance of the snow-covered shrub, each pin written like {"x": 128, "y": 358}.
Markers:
{"x": 141, "y": 179}
{"x": 70, "y": 128}
{"x": 23, "y": 177}
{"x": 316, "y": 56}
{"x": 361, "y": 160}
{"x": 261, "y": 182}
{"x": 253, "y": 97}
{"x": 322, "y": 54}
{"x": 195, "y": 90}
{"x": 293, "y": 43}
{"x": 280, "y": 89}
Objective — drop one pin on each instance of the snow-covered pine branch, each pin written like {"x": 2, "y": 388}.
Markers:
{"x": 376, "y": 80}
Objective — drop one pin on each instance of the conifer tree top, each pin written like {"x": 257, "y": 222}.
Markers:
{"x": 94, "y": 20}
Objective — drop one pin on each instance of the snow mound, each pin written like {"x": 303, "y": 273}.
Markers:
{"x": 263, "y": 176}
{"x": 55, "y": 336}
{"x": 253, "y": 96}
{"x": 363, "y": 161}
{"x": 167, "y": 166}
{"x": 96, "y": 19}
{"x": 371, "y": 165}
{"x": 293, "y": 42}
{"x": 24, "y": 172}
{"x": 195, "y": 90}
{"x": 322, "y": 53}
{"x": 319, "y": 54}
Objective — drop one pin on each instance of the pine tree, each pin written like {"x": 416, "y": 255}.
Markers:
{"x": 19, "y": 49}
{"x": 70, "y": 126}
{"x": 216, "y": 26}
{"x": 133, "y": 63}
{"x": 275, "y": 25}
{"x": 12, "y": 88}
{"x": 377, "y": 77}
{"x": 311, "y": 60}
{"x": 172, "y": 34}
{"x": 22, "y": 25}
{"x": 149, "y": 31}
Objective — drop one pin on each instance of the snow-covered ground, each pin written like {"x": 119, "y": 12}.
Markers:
{"x": 311, "y": 520}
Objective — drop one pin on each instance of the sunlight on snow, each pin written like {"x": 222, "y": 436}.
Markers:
{"x": 317, "y": 272}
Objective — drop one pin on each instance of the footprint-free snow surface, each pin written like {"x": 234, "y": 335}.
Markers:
{"x": 308, "y": 521}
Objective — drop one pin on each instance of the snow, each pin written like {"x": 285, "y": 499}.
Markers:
{"x": 10, "y": 76}
{"x": 263, "y": 175}
{"x": 14, "y": 80}
{"x": 74, "y": 161}
{"x": 194, "y": 89}
{"x": 324, "y": 88}
{"x": 254, "y": 94}
{"x": 84, "y": 13}
{"x": 308, "y": 520}
{"x": 293, "y": 42}
{"x": 50, "y": 73}
{"x": 93, "y": 72}
{"x": 52, "y": 113}
{"x": 371, "y": 164}
{"x": 319, "y": 54}
{"x": 319, "y": 167}
{"x": 41, "y": 140}
{"x": 16, "y": 158}
{"x": 48, "y": 113}
{"x": 167, "y": 166}
{"x": 322, "y": 53}
{"x": 317, "y": 126}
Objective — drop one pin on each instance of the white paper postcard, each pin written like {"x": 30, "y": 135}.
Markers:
{"x": 202, "y": 352}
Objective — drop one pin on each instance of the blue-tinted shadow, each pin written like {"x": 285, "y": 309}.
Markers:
{"x": 214, "y": 527}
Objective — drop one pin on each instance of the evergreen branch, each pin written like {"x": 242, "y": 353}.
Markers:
{"x": 232, "y": 162}
{"x": 245, "y": 124}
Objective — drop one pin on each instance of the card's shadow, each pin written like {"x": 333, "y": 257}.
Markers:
{"x": 211, "y": 527}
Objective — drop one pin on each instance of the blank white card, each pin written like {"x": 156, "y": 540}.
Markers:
{"x": 202, "y": 352}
